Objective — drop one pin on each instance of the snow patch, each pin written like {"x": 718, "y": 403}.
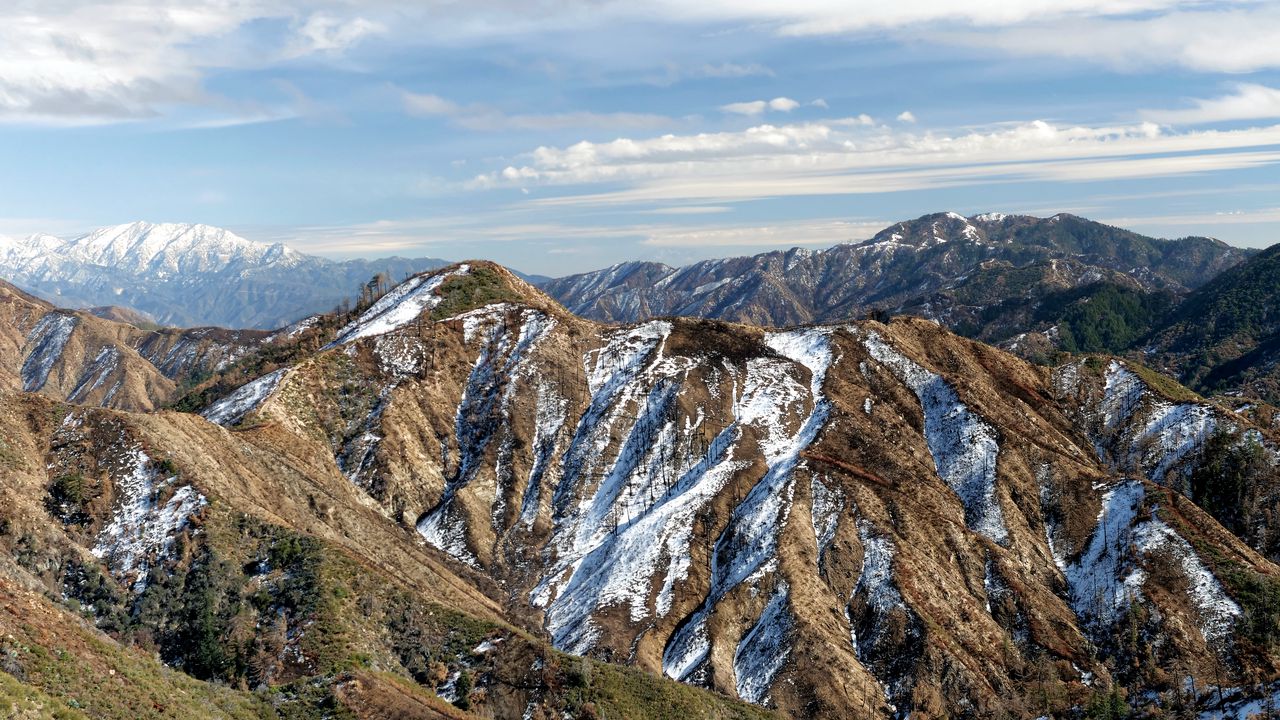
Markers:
{"x": 764, "y": 649}
{"x": 398, "y": 308}
{"x": 105, "y": 363}
{"x": 234, "y": 407}
{"x": 828, "y": 503}
{"x": 47, "y": 340}
{"x": 140, "y": 533}
{"x": 963, "y": 445}
{"x": 746, "y": 550}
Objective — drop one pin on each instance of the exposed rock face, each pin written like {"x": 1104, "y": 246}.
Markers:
{"x": 982, "y": 275}
{"x": 862, "y": 518}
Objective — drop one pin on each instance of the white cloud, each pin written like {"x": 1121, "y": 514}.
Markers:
{"x": 325, "y": 33}
{"x": 731, "y": 70}
{"x": 1248, "y": 102}
{"x": 783, "y": 104}
{"x": 1236, "y": 37}
{"x": 819, "y": 103}
{"x": 906, "y": 116}
{"x": 428, "y": 104}
{"x": 1221, "y": 217}
{"x": 822, "y": 232}
{"x": 81, "y": 62}
{"x": 844, "y": 157}
{"x": 756, "y": 107}
{"x": 485, "y": 118}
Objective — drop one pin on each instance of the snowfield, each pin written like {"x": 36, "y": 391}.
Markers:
{"x": 1108, "y": 576}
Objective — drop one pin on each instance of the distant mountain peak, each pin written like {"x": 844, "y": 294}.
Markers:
{"x": 172, "y": 247}
{"x": 189, "y": 273}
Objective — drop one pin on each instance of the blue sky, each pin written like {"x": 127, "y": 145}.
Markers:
{"x": 564, "y": 135}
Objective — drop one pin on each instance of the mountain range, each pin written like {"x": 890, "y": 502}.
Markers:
{"x": 460, "y": 499}
{"x": 990, "y": 276}
{"x": 190, "y": 275}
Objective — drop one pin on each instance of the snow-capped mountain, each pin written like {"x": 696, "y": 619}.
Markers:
{"x": 189, "y": 274}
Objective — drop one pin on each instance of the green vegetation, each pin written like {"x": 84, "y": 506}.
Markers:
{"x": 76, "y": 674}
{"x": 483, "y": 285}
{"x": 23, "y": 701}
{"x": 1107, "y": 705}
{"x": 1102, "y": 317}
{"x": 1162, "y": 384}
{"x": 68, "y": 495}
{"x": 1230, "y": 465}
{"x": 1259, "y": 598}
{"x": 615, "y": 692}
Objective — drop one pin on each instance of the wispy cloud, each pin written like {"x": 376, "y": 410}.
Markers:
{"x": 846, "y": 158}
{"x": 1248, "y": 102}
{"x": 730, "y": 70}
{"x": 80, "y": 62}
{"x": 489, "y": 119}
{"x": 1226, "y": 37}
{"x": 757, "y": 107}
{"x": 815, "y": 232}
{"x": 322, "y": 32}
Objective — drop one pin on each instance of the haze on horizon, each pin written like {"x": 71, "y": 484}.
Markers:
{"x": 563, "y": 136}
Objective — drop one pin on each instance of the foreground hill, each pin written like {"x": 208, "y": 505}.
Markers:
{"x": 989, "y": 277}
{"x": 246, "y": 561}
{"x": 189, "y": 275}
{"x": 861, "y": 519}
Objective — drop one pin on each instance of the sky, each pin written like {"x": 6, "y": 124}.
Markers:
{"x": 559, "y": 136}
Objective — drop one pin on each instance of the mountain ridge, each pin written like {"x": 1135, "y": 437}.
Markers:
{"x": 982, "y": 276}
{"x": 934, "y": 523}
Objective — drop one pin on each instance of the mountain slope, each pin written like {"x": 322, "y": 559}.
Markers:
{"x": 1226, "y": 335}
{"x": 78, "y": 357}
{"x": 246, "y": 560}
{"x": 187, "y": 275}
{"x": 984, "y": 276}
{"x": 829, "y": 520}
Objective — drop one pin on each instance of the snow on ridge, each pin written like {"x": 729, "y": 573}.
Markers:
{"x": 141, "y": 532}
{"x": 963, "y": 445}
{"x": 616, "y": 377}
{"x": 96, "y": 373}
{"x": 551, "y": 411}
{"x": 764, "y": 649}
{"x": 747, "y": 548}
{"x": 247, "y": 398}
{"x": 500, "y": 360}
{"x": 622, "y": 355}
{"x": 621, "y": 567}
{"x": 1217, "y": 612}
{"x": 397, "y": 308}
{"x": 827, "y": 505}
{"x": 47, "y": 341}
{"x": 1103, "y": 579}
{"x": 1153, "y": 434}
{"x": 1107, "y": 576}
{"x": 875, "y": 584}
